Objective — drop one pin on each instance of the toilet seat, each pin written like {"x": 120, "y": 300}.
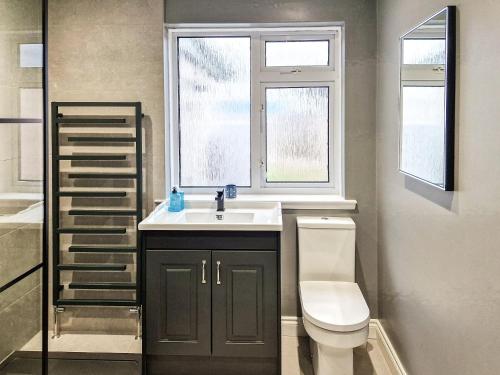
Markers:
{"x": 335, "y": 306}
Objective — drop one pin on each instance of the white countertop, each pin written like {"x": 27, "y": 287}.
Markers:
{"x": 202, "y": 215}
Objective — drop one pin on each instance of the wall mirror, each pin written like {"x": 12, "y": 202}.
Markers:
{"x": 427, "y": 100}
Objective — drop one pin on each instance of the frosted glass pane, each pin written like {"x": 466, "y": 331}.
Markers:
{"x": 31, "y": 55}
{"x": 297, "y": 53}
{"x": 297, "y": 134}
{"x": 424, "y": 51}
{"x": 214, "y": 111}
{"x": 422, "y": 141}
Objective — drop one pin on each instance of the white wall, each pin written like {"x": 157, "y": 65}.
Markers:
{"x": 439, "y": 257}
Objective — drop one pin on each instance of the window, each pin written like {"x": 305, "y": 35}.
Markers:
{"x": 297, "y": 134}
{"x": 259, "y": 108}
{"x": 297, "y": 53}
{"x": 214, "y": 111}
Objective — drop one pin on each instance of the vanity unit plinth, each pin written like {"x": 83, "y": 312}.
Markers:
{"x": 211, "y": 302}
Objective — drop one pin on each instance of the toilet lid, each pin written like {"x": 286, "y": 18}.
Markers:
{"x": 334, "y": 305}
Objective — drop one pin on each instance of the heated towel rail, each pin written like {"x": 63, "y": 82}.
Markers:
{"x": 96, "y": 204}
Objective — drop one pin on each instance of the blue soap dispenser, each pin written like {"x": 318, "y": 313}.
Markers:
{"x": 176, "y": 200}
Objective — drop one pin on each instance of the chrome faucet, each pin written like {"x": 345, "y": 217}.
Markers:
{"x": 220, "y": 200}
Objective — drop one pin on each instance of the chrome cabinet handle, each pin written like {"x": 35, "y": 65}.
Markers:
{"x": 203, "y": 271}
{"x": 218, "y": 272}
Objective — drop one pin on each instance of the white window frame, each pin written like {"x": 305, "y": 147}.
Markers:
{"x": 261, "y": 77}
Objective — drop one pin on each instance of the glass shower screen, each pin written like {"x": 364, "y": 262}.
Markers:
{"x": 21, "y": 186}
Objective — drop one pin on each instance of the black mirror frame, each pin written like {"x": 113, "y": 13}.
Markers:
{"x": 450, "y": 87}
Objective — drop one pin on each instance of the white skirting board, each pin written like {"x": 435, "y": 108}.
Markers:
{"x": 293, "y": 326}
{"x": 391, "y": 357}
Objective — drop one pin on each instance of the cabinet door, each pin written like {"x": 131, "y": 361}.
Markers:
{"x": 244, "y": 304}
{"x": 178, "y": 302}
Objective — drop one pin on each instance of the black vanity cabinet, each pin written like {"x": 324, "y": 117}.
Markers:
{"x": 244, "y": 304}
{"x": 211, "y": 302}
{"x": 179, "y": 303}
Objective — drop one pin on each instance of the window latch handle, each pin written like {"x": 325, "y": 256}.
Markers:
{"x": 293, "y": 71}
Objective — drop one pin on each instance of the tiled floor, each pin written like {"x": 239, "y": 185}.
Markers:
{"x": 25, "y": 366}
{"x": 296, "y": 358}
{"x": 86, "y": 343}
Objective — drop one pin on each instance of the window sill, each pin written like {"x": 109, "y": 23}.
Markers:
{"x": 288, "y": 201}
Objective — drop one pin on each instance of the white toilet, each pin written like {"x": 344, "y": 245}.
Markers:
{"x": 335, "y": 314}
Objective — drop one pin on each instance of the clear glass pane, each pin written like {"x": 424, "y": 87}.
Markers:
{"x": 21, "y": 203}
{"x": 297, "y": 53}
{"x": 424, "y": 51}
{"x": 422, "y": 142}
{"x": 31, "y": 136}
{"x": 297, "y": 134}
{"x": 214, "y": 111}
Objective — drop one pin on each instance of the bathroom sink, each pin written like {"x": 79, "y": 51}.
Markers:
{"x": 241, "y": 216}
{"x": 217, "y": 217}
